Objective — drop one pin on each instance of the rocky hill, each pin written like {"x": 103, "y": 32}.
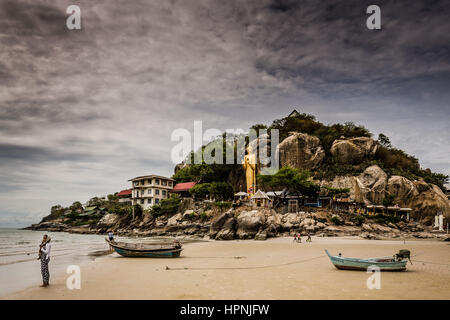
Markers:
{"x": 344, "y": 156}
{"x": 337, "y": 156}
{"x": 373, "y": 184}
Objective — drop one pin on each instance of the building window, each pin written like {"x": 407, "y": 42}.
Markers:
{"x": 164, "y": 193}
{"x": 149, "y": 181}
{"x": 149, "y": 201}
{"x": 156, "y": 201}
{"x": 164, "y": 182}
{"x": 157, "y": 181}
{"x": 157, "y": 191}
{"x": 170, "y": 183}
{"x": 149, "y": 191}
{"x": 142, "y": 201}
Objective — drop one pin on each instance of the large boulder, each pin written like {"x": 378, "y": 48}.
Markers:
{"x": 218, "y": 222}
{"x": 340, "y": 182}
{"x": 307, "y": 222}
{"x": 291, "y": 220}
{"x": 301, "y": 151}
{"x": 353, "y": 151}
{"x": 371, "y": 185}
{"x": 403, "y": 189}
{"x": 175, "y": 219}
{"x": 108, "y": 221}
{"x": 275, "y": 220}
{"x": 261, "y": 235}
{"x": 430, "y": 201}
{"x": 189, "y": 213}
{"x": 228, "y": 230}
{"x": 249, "y": 222}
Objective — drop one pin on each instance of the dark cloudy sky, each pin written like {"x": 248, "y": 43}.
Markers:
{"x": 81, "y": 112}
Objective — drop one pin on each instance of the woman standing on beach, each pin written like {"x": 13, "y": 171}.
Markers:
{"x": 44, "y": 256}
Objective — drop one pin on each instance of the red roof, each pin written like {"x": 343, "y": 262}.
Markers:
{"x": 185, "y": 186}
{"x": 126, "y": 192}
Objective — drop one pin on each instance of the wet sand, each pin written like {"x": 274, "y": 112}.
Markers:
{"x": 272, "y": 269}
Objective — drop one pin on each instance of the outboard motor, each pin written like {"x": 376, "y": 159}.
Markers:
{"x": 403, "y": 254}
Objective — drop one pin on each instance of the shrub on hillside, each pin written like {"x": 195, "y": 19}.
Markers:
{"x": 223, "y": 204}
{"x": 336, "y": 220}
{"x": 358, "y": 219}
{"x": 167, "y": 206}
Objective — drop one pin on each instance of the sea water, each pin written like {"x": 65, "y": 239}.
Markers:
{"x": 19, "y": 267}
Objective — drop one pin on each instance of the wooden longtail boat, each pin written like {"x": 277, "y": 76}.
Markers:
{"x": 144, "y": 250}
{"x": 395, "y": 263}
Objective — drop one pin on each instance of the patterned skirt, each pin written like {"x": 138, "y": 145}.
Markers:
{"x": 44, "y": 269}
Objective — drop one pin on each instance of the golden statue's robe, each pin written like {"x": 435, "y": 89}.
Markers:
{"x": 250, "y": 172}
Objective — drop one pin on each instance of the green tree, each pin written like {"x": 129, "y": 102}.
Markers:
{"x": 200, "y": 190}
{"x": 137, "y": 210}
{"x": 167, "y": 206}
{"x": 384, "y": 141}
{"x": 292, "y": 180}
{"x": 389, "y": 200}
{"x": 56, "y": 211}
{"x": 76, "y": 206}
{"x": 221, "y": 190}
{"x": 258, "y": 127}
{"x": 96, "y": 201}
{"x": 113, "y": 197}
{"x": 336, "y": 191}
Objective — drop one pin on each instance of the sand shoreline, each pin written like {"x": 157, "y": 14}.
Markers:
{"x": 272, "y": 269}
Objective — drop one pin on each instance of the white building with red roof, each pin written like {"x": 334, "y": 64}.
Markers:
{"x": 125, "y": 196}
{"x": 183, "y": 188}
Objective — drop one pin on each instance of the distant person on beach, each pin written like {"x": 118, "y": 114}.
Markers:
{"x": 44, "y": 255}
{"x": 299, "y": 238}
{"x": 309, "y": 238}
{"x": 111, "y": 238}
{"x": 295, "y": 237}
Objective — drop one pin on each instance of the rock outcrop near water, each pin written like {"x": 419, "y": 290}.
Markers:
{"x": 247, "y": 223}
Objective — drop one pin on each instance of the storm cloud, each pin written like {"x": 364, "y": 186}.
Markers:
{"x": 82, "y": 111}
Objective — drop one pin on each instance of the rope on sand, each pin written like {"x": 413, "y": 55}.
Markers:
{"x": 429, "y": 262}
{"x": 241, "y": 268}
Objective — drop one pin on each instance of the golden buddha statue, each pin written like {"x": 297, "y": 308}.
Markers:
{"x": 249, "y": 165}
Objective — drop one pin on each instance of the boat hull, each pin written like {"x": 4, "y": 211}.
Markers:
{"x": 129, "y": 252}
{"x": 365, "y": 264}
{"x": 148, "y": 254}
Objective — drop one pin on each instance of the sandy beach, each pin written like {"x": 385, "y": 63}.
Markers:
{"x": 272, "y": 269}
